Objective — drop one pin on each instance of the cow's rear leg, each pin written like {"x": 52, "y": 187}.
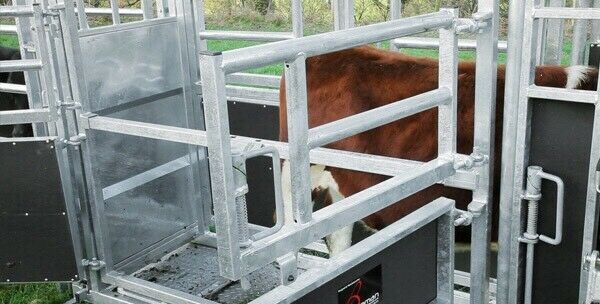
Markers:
{"x": 325, "y": 192}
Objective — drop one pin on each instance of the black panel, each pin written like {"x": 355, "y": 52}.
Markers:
{"x": 408, "y": 271}
{"x": 35, "y": 240}
{"x": 594, "y": 59}
{"x": 260, "y": 122}
{"x": 560, "y": 143}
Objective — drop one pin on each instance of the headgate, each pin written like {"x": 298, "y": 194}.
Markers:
{"x": 136, "y": 124}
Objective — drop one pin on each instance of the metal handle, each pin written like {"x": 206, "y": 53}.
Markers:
{"x": 560, "y": 193}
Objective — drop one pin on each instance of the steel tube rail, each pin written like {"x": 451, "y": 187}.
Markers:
{"x": 16, "y": 11}
{"x": 434, "y": 43}
{"x": 20, "y": 65}
{"x": 24, "y": 116}
{"x": 329, "y": 157}
{"x": 261, "y": 55}
{"x": 254, "y": 79}
{"x": 568, "y": 95}
{"x": 364, "y": 121}
{"x": 123, "y": 12}
{"x": 245, "y": 35}
{"x": 13, "y": 88}
{"x": 348, "y": 210}
{"x": 567, "y": 13}
{"x": 437, "y": 209}
{"x": 8, "y": 29}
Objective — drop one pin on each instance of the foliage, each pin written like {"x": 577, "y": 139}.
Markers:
{"x": 32, "y": 294}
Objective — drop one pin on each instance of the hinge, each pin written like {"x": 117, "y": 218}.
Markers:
{"x": 75, "y": 140}
{"x": 94, "y": 264}
{"x": 476, "y": 159}
{"x": 462, "y": 218}
{"x": 477, "y": 23}
{"x": 590, "y": 266}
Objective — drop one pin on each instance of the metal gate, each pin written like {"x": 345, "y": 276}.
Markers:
{"x": 550, "y": 158}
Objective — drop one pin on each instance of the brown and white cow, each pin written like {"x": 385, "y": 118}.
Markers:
{"x": 348, "y": 82}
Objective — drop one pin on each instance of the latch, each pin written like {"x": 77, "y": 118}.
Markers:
{"x": 477, "y": 23}
{"x": 591, "y": 265}
{"x": 533, "y": 195}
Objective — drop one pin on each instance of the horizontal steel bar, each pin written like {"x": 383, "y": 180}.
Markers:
{"x": 254, "y": 101}
{"x": 566, "y": 13}
{"x": 355, "y": 255}
{"x": 265, "y": 54}
{"x": 358, "y": 123}
{"x": 153, "y": 290}
{"x": 13, "y": 88}
{"x": 20, "y": 65}
{"x": 16, "y": 11}
{"x": 101, "y": 11}
{"x": 348, "y": 210}
{"x": 24, "y": 116}
{"x": 375, "y": 164}
{"x": 434, "y": 43}
{"x": 562, "y": 94}
{"x": 254, "y": 79}
{"x": 145, "y": 177}
{"x": 246, "y": 35}
{"x": 271, "y": 95}
{"x": 8, "y": 29}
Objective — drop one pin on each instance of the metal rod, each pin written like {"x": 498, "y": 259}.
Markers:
{"x": 147, "y": 9}
{"x": 114, "y": 9}
{"x": 434, "y": 43}
{"x": 375, "y": 164}
{"x": 245, "y": 35}
{"x": 562, "y": 94}
{"x": 14, "y": 117}
{"x": 448, "y": 81}
{"x": 123, "y": 12}
{"x": 297, "y": 124}
{"x": 13, "y": 88}
{"x": 355, "y": 255}
{"x": 8, "y": 29}
{"x": 20, "y": 65}
{"x": 297, "y": 20}
{"x": 261, "y": 55}
{"x": 221, "y": 175}
{"x": 395, "y": 14}
{"x": 254, "y": 79}
{"x": 16, "y": 11}
{"x": 364, "y": 121}
{"x": 349, "y": 210}
{"x": 567, "y": 13}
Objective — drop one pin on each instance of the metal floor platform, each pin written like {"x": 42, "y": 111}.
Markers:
{"x": 194, "y": 269}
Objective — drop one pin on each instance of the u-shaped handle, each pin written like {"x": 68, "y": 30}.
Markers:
{"x": 560, "y": 198}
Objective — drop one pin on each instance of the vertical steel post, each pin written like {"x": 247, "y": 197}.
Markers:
{"x": 592, "y": 210}
{"x": 554, "y": 34}
{"x": 297, "y": 20}
{"x": 221, "y": 174}
{"x": 595, "y": 37}
{"x": 445, "y": 259}
{"x": 147, "y": 9}
{"x": 485, "y": 109}
{"x": 114, "y": 6}
{"x": 580, "y": 37}
{"x": 297, "y": 117}
{"x": 448, "y": 78}
{"x": 395, "y": 14}
{"x": 343, "y": 14}
{"x": 510, "y": 217}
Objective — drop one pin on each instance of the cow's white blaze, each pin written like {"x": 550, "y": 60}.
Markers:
{"x": 576, "y": 75}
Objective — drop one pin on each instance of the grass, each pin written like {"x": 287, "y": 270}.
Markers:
{"x": 32, "y": 294}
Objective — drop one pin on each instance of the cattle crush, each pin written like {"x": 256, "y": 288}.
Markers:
{"x": 155, "y": 176}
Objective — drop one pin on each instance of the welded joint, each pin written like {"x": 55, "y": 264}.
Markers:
{"x": 475, "y": 159}
{"x": 93, "y": 264}
{"x": 462, "y": 217}
{"x": 476, "y": 207}
{"x": 84, "y": 120}
{"x": 479, "y": 22}
{"x": 288, "y": 268}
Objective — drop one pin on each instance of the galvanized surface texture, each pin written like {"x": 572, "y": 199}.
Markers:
{"x": 561, "y": 135}
{"x": 35, "y": 242}
{"x": 194, "y": 269}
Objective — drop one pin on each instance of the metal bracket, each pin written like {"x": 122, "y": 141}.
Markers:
{"x": 288, "y": 267}
{"x": 94, "y": 264}
{"x": 462, "y": 218}
{"x": 591, "y": 265}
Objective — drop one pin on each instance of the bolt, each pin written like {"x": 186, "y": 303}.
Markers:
{"x": 291, "y": 278}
